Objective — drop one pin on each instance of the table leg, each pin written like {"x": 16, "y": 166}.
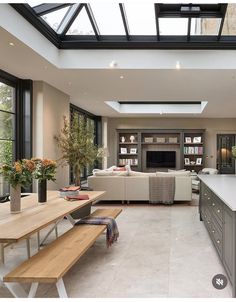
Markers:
{"x": 28, "y": 247}
{"x": 2, "y": 252}
{"x": 71, "y": 219}
{"x": 52, "y": 229}
{"x": 38, "y": 240}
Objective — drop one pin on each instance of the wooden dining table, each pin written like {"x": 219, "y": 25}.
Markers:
{"x": 36, "y": 216}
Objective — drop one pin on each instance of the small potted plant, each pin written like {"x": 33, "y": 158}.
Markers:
{"x": 18, "y": 174}
{"x": 45, "y": 169}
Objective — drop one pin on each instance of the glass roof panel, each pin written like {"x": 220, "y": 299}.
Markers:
{"x": 173, "y": 26}
{"x": 81, "y": 26}
{"x": 205, "y": 26}
{"x": 229, "y": 28}
{"x": 34, "y": 3}
{"x": 54, "y": 18}
{"x": 141, "y": 18}
{"x": 108, "y": 18}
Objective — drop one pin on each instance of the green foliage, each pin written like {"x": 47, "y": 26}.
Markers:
{"x": 6, "y": 152}
{"x": 76, "y": 142}
{"x": 234, "y": 152}
{"x": 45, "y": 169}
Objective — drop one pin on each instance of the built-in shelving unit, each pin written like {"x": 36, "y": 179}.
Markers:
{"x": 187, "y": 143}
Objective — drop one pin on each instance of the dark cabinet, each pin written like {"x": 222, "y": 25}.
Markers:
{"x": 220, "y": 222}
{"x": 225, "y": 161}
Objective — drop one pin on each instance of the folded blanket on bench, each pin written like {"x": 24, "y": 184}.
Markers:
{"x": 112, "y": 229}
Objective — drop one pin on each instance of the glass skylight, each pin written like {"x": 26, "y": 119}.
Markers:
{"x": 81, "y": 25}
{"x": 54, "y": 18}
{"x": 173, "y": 26}
{"x": 229, "y": 28}
{"x": 141, "y": 18}
{"x": 109, "y": 20}
{"x": 205, "y": 26}
{"x": 35, "y": 3}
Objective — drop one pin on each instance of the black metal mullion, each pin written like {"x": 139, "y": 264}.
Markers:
{"x": 92, "y": 20}
{"x": 72, "y": 19}
{"x": 157, "y": 11}
{"x": 224, "y": 9}
{"x": 189, "y": 28}
{"x": 125, "y": 21}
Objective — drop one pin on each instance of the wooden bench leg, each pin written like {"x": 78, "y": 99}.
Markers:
{"x": 33, "y": 289}
{"x": 16, "y": 290}
{"x": 61, "y": 289}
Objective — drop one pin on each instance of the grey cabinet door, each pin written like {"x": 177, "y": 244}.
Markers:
{"x": 228, "y": 249}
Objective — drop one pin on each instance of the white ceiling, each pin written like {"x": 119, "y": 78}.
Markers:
{"x": 89, "y": 88}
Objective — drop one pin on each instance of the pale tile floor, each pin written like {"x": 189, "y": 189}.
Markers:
{"x": 163, "y": 251}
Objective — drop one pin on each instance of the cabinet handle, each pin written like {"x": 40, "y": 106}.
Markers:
{"x": 213, "y": 204}
{"x": 205, "y": 194}
{"x": 208, "y": 198}
{"x": 213, "y": 231}
{"x": 218, "y": 241}
{"x": 208, "y": 221}
{"x": 218, "y": 211}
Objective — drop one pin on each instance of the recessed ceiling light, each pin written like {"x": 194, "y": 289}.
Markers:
{"x": 121, "y": 77}
{"x": 177, "y": 66}
{"x": 113, "y": 64}
{"x": 11, "y": 44}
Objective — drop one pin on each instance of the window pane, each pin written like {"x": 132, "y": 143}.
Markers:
{"x": 54, "y": 18}
{"x": 6, "y": 152}
{"x": 141, "y": 18}
{"x": 7, "y": 98}
{"x": 229, "y": 28}
{"x": 6, "y": 125}
{"x": 36, "y": 3}
{"x": 205, "y": 26}
{"x": 173, "y": 26}
{"x": 81, "y": 25}
{"x": 108, "y": 18}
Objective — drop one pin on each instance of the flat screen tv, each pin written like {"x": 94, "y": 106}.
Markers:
{"x": 161, "y": 159}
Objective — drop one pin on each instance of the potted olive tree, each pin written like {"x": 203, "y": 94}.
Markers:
{"x": 76, "y": 142}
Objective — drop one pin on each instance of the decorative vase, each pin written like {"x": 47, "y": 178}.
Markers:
{"x": 15, "y": 199}
{"x": 42, "y": 191}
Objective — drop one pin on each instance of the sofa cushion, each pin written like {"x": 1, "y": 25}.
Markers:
{"x": 97, "y": 172}
{"x": 181, "y": 170}
{"x": 136, "y": 173}
{"x": 178, "y": 173}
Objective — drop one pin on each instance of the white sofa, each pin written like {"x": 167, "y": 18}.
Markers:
{"x": 136, "y": 187}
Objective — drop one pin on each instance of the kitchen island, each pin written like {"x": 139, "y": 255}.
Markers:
{"x": 217, "y": 209}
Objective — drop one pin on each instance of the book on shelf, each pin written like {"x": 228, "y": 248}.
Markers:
{"x": 193, "y": 150}
{"x": 128, "y": 161}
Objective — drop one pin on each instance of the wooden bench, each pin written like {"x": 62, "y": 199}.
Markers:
{"x": 50, "y": 264}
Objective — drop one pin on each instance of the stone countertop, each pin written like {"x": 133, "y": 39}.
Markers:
{"x": 224, "y": 186}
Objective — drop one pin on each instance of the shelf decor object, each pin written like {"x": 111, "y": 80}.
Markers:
{"x": 173, "y": 140}
{"x": 160, "y": 140}
{"x": 188, "y": 140}
{"x": 197, "y": 139}
{"x": 148, "y": 139}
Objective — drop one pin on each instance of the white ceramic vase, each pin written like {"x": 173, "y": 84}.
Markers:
{"x": 15, "y": 199}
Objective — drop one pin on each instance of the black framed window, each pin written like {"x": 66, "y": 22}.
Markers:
{"x": 15, "y": 122}
{"x": 95, "y": 121}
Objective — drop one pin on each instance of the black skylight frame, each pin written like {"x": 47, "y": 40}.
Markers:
{"x": 127, "y": 41}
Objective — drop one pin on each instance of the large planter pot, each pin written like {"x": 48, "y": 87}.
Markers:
{"x": 15, "y": 199}
{"x": 42, "y": 191}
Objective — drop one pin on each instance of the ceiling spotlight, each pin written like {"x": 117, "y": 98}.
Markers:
{"x": 113, "y": 64}
{"x": 11, "y": 44}
{"x": 121, "y": 77}
{"x": 177, "y": 66}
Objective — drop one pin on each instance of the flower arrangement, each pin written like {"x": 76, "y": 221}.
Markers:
{"x": 234, "y": 152}
{"x": 45, "y": 169}
{"x": 18, "y": 173}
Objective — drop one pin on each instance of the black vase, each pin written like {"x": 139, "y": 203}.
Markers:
{"x": 42, "y": 191}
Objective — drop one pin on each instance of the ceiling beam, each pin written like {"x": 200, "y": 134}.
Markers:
{"x": 125, "y": 21}
{"x": 69, "y": 18}
{"x": 47, "y": 8}
{"x": 92, "y": 20}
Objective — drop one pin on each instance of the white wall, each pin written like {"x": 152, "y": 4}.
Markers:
{"x": 49, "y": 107}
{"x": 212, "y": 126}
